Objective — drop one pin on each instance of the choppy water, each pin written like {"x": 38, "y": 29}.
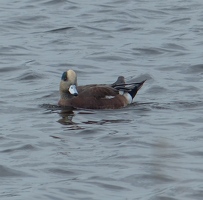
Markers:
{"x": 149, "y": 150}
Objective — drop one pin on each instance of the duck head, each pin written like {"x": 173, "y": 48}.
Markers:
{"x": 68, "y": 84}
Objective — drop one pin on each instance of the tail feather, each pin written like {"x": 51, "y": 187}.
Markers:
{"x": 135, "y": 89}
{"x": 120, "y": 80}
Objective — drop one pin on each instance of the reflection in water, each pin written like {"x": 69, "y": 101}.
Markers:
{"x": 104, "y": 121}
{"x": 66, "y": 117}
{"x": 66, "y": 113}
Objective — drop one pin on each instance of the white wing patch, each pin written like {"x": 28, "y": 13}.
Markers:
{"x": 109, "y": 97}
{"x": 121, "y": 92}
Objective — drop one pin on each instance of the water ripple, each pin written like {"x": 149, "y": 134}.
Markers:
{"x": 8, "y": 172}
{"x": 28, "y": 76}
{"x": 22, "y": 148}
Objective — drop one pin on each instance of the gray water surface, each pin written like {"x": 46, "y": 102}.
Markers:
{"x": 150, "y": 150}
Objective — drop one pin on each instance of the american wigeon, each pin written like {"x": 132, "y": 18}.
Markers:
{"x": 96, "y": 96}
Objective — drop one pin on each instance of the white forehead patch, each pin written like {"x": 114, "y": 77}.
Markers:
{"x": 71, "y": 76}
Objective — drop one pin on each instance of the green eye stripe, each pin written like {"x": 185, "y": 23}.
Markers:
{"x": 64, "y": 76}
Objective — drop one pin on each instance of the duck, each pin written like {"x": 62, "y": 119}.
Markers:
{"x": 96, "y": 96}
